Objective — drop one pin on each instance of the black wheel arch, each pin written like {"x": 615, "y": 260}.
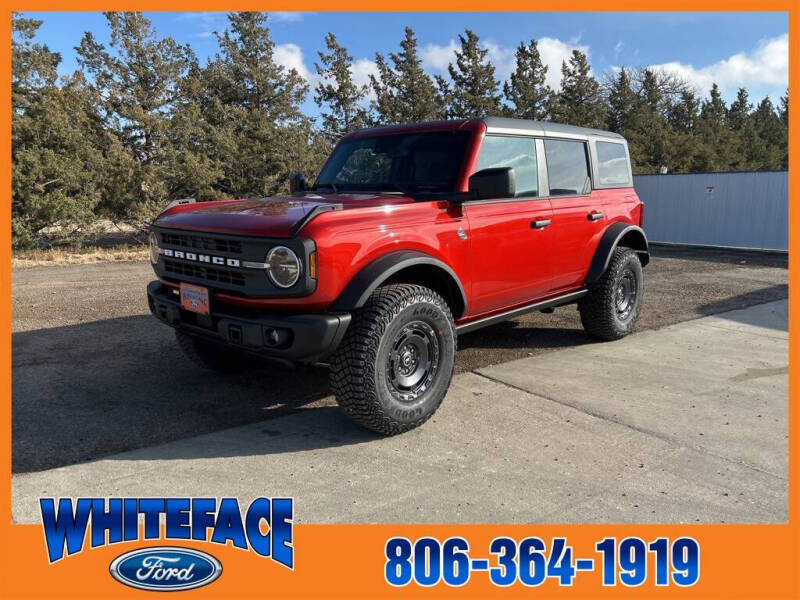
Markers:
{"x": 403, "y": 266}
{"x": 617, "y": 234}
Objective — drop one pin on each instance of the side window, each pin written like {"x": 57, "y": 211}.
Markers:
{"x": 612, "y": 164}
{"x": 567, "y": 168}
{"x": 519, "y": 153}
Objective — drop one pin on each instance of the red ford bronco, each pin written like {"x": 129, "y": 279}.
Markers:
{"x": 410, "y": 235}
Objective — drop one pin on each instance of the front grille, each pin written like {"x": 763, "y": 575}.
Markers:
{"x": 226, "y": 276}
{"x": 200, "y": 242}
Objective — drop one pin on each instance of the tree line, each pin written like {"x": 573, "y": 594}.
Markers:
{"x": 142, "y": 122}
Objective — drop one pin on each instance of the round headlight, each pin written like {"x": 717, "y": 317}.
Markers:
{"x": 154, "y": 249}
{"x": 283, "y": 266}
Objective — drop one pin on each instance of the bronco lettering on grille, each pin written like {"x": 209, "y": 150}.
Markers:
{"x": 203, "y": 258}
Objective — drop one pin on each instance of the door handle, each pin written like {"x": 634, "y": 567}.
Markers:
{"x": 540, "y": 223}
{"x": 595, "y": 215}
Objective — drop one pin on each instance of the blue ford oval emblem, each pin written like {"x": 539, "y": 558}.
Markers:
{"x": 165, "y": 568}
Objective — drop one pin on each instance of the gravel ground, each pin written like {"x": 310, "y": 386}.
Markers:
{"x": 93, "y": 373}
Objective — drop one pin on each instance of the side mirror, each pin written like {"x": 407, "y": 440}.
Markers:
{"x": 297, "y": 182}
{"x": 493, "y": 183}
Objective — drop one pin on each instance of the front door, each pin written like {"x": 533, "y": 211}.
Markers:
{"x": 511, "y": 238}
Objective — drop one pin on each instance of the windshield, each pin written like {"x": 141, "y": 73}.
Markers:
{"x": 405, "y": 162}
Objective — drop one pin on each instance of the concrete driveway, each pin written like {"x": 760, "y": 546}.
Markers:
{"x": 682, "y": 424}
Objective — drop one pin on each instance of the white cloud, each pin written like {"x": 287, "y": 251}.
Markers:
{"x": 290, "y": 56}
{"x": 554, "y": 52}
{"x": 767, "y": 65}
{"x": 361, "y": 70}
{"x": 618, "y": 48}
{"x": 436, "y": 57}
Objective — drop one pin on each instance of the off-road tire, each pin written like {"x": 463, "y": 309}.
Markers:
{"x": 362, "y": 369}
{"x": 599, "y": 307}
{"x": 214, "y": 357}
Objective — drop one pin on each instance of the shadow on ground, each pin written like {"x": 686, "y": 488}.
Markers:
{"x": 93, "y": 389}
{"x": 87, "y": 390}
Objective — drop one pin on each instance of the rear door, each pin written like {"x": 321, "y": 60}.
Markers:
{"x": 511, "y": 239}
{"x": 578, "y": 218}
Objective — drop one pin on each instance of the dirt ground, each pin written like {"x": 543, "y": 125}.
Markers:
{"x": 93, "y": 373}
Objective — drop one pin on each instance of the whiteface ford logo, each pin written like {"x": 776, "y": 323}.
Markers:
{"x": 165, "y": 569}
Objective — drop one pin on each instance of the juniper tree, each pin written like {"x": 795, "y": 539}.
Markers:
{"x": 137, "y": 82}
{"x": 250, "y": 106}
{"x": 771, "y": 131}
{"x": 580, "y": 101}
{"x": 57, "y": 147}
{"x": 527, "y": 94}
{"x": 403, "y": 91}
{"x": 717, "y": 139}
{"x": 472, "y": 91}
{"x": 338, "y": 96}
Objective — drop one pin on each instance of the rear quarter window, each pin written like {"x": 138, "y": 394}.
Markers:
{"x": 612, "y": 164}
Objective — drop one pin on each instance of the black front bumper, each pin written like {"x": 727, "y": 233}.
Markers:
{"x": 305, "y": 338}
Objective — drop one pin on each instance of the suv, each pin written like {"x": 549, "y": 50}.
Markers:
{"x": 411, "y": 235}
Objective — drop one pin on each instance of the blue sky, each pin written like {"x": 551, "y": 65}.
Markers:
{"x": 733, "y": 49}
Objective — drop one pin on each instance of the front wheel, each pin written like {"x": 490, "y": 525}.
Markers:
{"x": 394, "y": 365}
{"x": 611, "y": 307}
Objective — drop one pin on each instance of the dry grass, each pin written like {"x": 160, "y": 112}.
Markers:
{"x": 79, "y": 256}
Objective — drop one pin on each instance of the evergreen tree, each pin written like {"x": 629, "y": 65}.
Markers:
{"x": 622, "y": 102}
{"x": 404, "y": 92}
{"x": 137, "y": 81}
{"x": 784, "y": 114}
{"x": 33, "y": 65}
{"x": 717, "y": 139}
{"x": 771, "y": 132}
{"x": 739, "y": 110}
{"x": 580, "y": 101}
{"x": 57, "y": 159}
{"x": 250, "y": 106}
{"x": 527, "y": 94}
{"x": 472, "y": 91}
{"x": 338, "y": 92}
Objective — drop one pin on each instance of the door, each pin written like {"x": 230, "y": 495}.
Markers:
{"x": 578, "y": 218}
{"x": 511, "y": 238}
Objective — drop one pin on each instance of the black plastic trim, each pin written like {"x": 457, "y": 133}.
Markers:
{"x": 365, "y": 282}
{"x": 516, "y": 312}
{"x": 607, "y": 245}
{"x": 314, "y": 337}
{"x": 320, "y": 208}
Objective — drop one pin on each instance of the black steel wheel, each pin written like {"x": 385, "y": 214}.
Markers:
{"x": 611, "y": 307}
{"x": 394, "y": 365}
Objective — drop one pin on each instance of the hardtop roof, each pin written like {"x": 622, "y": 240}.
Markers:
{"x": 493, "y": 125}
{"x": 543, "y": 128}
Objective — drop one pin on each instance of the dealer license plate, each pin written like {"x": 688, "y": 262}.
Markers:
{"x": 194, "y": 298}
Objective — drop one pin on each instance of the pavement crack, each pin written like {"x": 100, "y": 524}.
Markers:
{"x": 656, "y": 434}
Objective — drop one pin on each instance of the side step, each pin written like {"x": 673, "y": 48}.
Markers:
{"x": 516, "y": 312}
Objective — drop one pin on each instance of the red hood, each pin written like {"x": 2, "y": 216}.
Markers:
{"x": 272, "y": 217}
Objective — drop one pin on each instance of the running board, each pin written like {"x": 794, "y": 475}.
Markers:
{"x": 516, "y": 312}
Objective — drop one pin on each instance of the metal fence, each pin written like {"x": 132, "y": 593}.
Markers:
{"x": 740, "y": 210}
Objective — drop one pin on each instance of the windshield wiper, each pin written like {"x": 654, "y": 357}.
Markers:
{"x": 379, "y": 188}
{"x": 329, "y": 185}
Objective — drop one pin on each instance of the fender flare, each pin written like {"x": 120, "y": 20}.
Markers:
{"x": 358, "y": 289}
{"x": 609, "y": 242}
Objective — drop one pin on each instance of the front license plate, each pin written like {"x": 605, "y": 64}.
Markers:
{"x": 194, "y": 298}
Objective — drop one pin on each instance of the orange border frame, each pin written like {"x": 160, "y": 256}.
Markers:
{"x": 737, "y": 561}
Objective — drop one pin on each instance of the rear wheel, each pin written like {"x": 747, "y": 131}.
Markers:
{"x": 215, "y": 357}
{"x": 394, "y": 365}
{"x": 611, "y": 307}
